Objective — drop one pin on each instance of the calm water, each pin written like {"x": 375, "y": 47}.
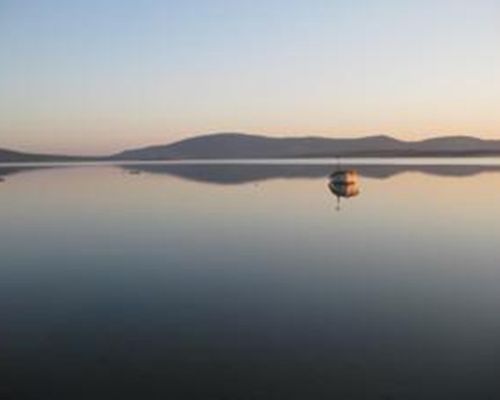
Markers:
{"x": 249, "y": 282}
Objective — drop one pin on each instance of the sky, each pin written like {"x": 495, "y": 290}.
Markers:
{"x": 100, "y": 76}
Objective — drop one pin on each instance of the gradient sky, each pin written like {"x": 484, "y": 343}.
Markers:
{"x": 98, "y": 76}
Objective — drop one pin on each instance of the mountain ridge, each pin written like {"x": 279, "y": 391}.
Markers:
{"x": 234, "y": 145}
{"x": 240, "y": 145}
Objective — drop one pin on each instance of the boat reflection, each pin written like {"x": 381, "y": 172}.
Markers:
{"x": 344, "y": 184}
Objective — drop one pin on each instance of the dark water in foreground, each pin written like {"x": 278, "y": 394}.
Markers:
{"x": 249, "y": 282}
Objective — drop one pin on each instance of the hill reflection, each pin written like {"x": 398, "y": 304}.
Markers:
{"x": 14, "y": 170}
{"x": 231, "y": 174}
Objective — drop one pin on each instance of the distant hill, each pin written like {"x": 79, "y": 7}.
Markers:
{"x": 8, "y": 156}
{"x": 236, "y": 145}
{"x": 241, "y": 146}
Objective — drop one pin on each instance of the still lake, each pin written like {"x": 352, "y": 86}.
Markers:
{"x": 250, "y": 281}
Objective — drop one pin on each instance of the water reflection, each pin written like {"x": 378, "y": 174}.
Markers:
{"x": 344, "y": 184}
{"x": 232, "y": 174}
{"x": 13, "y": 170}
{"x": 128, "y": 287}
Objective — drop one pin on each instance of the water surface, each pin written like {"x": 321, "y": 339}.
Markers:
{"x": 249, "y": 281}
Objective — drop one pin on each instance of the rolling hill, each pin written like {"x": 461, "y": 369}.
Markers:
{"x": 236, "y": 145}
{"x": 244, "y": 146}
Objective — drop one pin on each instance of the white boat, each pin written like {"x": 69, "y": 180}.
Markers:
{"x": 345, "y": 177}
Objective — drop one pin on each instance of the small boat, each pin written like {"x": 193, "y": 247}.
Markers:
{"x": 345, "y": 177}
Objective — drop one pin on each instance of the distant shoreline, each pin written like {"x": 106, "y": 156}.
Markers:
{"x": 251, "y": 160}
{"x": 240, "y": 146}
{"x": 333, "y": 161}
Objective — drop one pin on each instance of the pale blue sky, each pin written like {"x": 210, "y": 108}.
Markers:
{"x": 99, "y": 76}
